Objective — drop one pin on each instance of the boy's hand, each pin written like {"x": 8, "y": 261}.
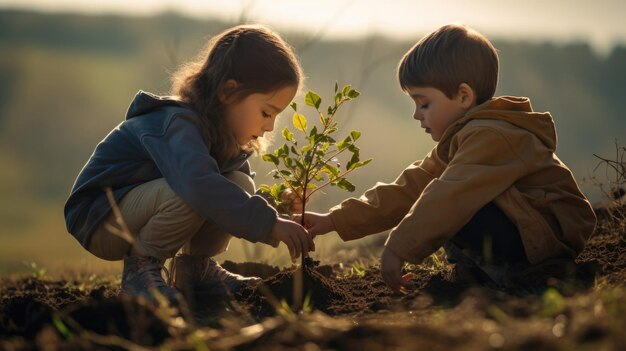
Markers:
{"x": 294, "y": 236}
{"x": 316, "y": 223}
{"x": 391, "y": 270}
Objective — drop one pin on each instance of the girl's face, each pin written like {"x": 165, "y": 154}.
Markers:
{"x": 256, "y": 114}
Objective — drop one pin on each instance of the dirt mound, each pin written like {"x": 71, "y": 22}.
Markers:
{"x": 605, "y": 255}
{"x": 348, "y": 294}
{"x": 324, "y": 293}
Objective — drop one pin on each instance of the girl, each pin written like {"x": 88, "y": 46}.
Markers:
{"x": 179, "y": 173}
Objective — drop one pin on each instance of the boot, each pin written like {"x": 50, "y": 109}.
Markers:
{"x": 200, "y": 274}
{"x": 142, "y": 277}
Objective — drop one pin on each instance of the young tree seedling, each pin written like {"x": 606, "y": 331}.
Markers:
{"x": 310, "y": 160}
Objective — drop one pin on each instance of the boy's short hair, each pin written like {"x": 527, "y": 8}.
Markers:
{"x": 449, "y": 56}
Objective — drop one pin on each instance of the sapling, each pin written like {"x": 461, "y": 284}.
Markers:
{"x": 311, "y": 159}
{"x": 306, "y": 166}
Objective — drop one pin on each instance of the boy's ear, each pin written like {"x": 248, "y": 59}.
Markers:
{"x": 466, "y": 96}
{"x": 227, "y": 90}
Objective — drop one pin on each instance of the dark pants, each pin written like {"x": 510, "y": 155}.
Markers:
{"x": 491, "y": 235}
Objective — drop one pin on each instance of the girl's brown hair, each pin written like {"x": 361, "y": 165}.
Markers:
{"x": 257, "y": 58}
{"x": 448, "y": 57}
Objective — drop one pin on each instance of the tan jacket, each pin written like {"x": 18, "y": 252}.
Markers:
{"x": 500, "y": 151}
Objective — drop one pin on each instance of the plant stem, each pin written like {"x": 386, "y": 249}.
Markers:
{"x": 330, "y": 181}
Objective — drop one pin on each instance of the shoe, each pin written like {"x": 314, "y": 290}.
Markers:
{"x": 538, "y": 274}
{"x": 471, "y": 269}
{"x": 142, "y": 278}
{"x": 200, "y": 274}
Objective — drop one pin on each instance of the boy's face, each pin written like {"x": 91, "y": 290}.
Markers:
{"x": 435, "y": 110}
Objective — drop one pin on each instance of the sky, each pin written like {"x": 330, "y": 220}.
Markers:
{"x": 600, "y": 22}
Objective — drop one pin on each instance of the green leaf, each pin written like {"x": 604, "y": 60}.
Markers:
{"x": 353, "y": 148}
{"x": 312, "y": 99}
{"x": 300, "y": 165}
{"x": 299, "y": 121}
{"x": 344, "y": 143}
{"x": 346, "y": 90}
{"x": 294, "y": 106}
{"x": 313, "y": 131}
{"x": 287, "y": 134}
{"x": 353, "y": 160}
{"x": 285, "y": 173}
{"x": 265, "y": 188}
{"x": 331, "y": 170}
{"x": 344, "y": 184}
{"x": 353, "y": 94}
{"x": 338, "y": 98}
{"x": 282, "y": 151}
{"x": 355, "y": 135}
{"x": 294, "y": 150}
{"x": 359, "y": 164}
{"x": 330, "y": 110}
{"x": 289, "y": 162}
{"x": 336, "y": 86}
{"x": 277, "y": 190}
{"x": 322, "y": 119}
{"x": 271, "y": 158}
{"x": 324, "y": 145}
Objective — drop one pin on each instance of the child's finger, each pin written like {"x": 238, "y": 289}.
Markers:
{"x": 297, "y": 245}
{"x": 311, "y": 242}
{"x": 290, "y": 246}
{"x": 303, "y": 240}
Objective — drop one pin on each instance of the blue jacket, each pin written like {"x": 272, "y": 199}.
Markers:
{"x": 161, "y": 138}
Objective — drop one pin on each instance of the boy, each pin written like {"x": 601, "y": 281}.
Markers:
{"x": 492, "y": 191}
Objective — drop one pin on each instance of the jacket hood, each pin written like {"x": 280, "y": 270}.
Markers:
{"x": 145, "y": 102}
{"x": 517, "y": 111}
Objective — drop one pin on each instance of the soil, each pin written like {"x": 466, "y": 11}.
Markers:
{"x": 352, "y": 309}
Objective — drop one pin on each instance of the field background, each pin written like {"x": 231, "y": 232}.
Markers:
{"x": 67, "y": 79}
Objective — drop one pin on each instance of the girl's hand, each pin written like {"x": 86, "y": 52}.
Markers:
{"x": 391, "y": 269}
{"x": 316, "y": 223}
{"x": 294, "y": 236}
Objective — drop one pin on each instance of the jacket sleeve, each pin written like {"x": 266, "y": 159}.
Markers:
{"x": 383, "y": 206}
{"x": 186, "y": 164}
{"x": 484, "y": 165}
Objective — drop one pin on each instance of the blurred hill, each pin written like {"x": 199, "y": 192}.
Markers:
{"x": 66, "y": 80}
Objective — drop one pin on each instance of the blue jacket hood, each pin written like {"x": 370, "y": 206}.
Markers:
{"x": 145, "y": 102}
